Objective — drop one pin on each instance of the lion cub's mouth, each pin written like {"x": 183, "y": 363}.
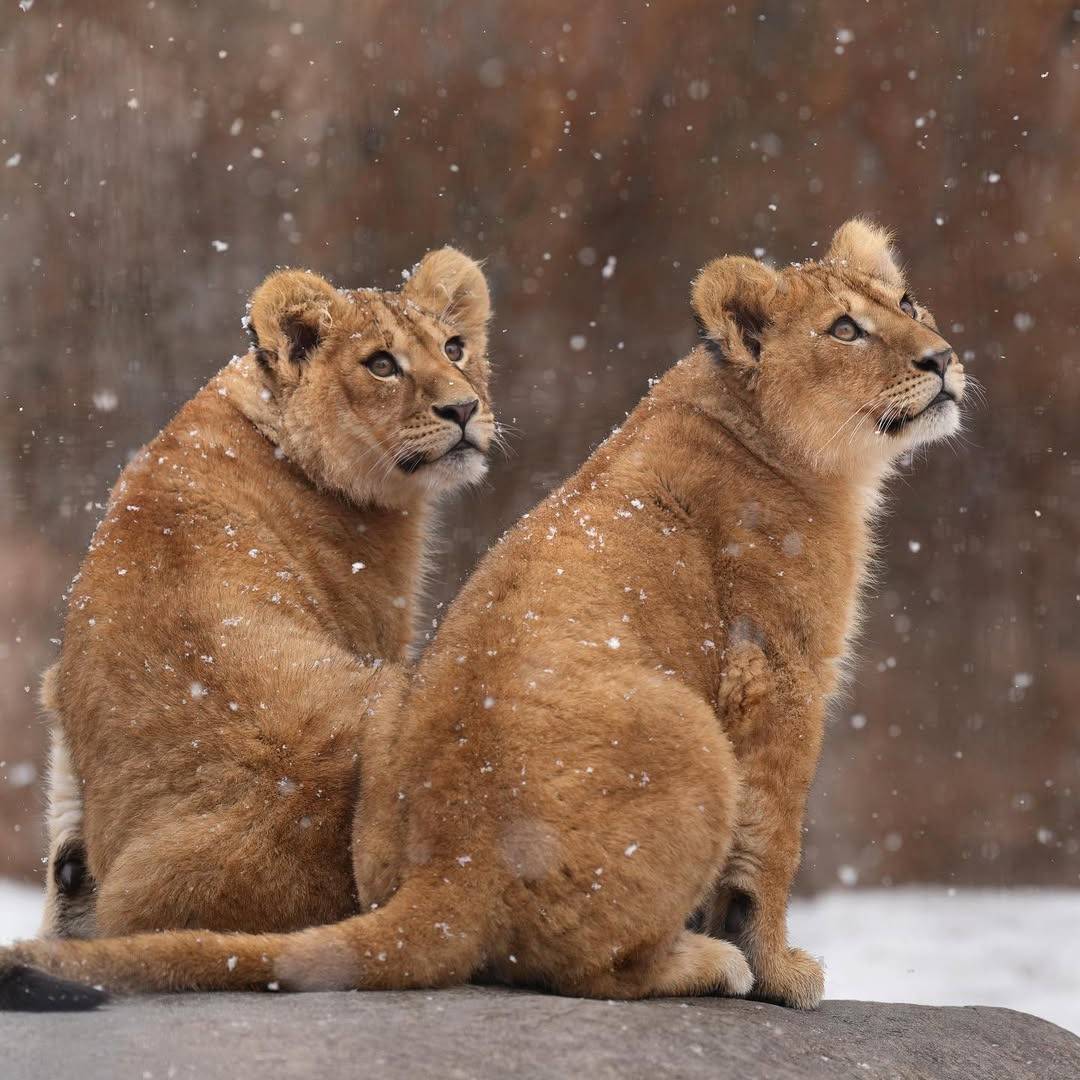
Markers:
{"x": 413, "y": 462}
{"x": 891, "y": 424}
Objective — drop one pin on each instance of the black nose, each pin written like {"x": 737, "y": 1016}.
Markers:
{"x": 935, "y": 361}
{"x": 459, "y": 412}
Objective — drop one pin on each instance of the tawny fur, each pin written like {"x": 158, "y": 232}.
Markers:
{"x": 617, "y": 724}
{"x": 237, "y": 627}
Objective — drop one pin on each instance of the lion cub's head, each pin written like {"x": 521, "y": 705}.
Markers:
{"x": 382, "y": 396}
{"x": 838, "y": 357}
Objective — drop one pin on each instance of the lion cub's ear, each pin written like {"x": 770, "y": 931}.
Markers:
{"x": 289, "y": 315}
{"x": 453, "y": 286}
{"x": 867, "y": 247}
{"x": 731, "y": 298}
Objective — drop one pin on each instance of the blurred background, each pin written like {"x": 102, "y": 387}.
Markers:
{"x": 158, "y": 157}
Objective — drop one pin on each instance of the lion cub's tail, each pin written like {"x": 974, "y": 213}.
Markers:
{"x": 432, "y": 933}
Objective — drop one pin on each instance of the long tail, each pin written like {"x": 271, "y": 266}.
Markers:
{"x": 431, "y": 933}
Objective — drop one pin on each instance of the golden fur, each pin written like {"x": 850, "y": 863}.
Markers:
{"x": 617, "y": 724}
{"x": 234, "y": 633}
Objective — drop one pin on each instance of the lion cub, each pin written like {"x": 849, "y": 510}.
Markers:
{"x": 233, "y": 629}
{"x": 617, "y": 724}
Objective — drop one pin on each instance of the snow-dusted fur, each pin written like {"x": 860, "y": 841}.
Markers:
{"x": 241, "y": 616}
{"x": 616, "y": 726}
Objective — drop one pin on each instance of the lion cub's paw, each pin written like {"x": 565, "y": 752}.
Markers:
{"x": 794, "y": 979}
{"x": 738, "y": 979}
{"x": 705, "y": 965}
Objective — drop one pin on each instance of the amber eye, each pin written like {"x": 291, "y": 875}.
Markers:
{"x": 845, "y": 329}
{"x": 455, "y": 349}
{"x": 907, "y": 305}
{"x": 381, "y": 364}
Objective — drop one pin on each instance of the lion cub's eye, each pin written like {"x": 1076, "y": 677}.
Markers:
{"x": 907, "y": 305}
{"x": 381, "y": 364}
{"x": 845, "y": 329}
{"x": 455, "y": 349}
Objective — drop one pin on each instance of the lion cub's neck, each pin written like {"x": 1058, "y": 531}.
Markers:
{"x": 732, "y": 434}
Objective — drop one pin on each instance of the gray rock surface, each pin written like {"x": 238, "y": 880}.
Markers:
{"x": 474, "y": 1032}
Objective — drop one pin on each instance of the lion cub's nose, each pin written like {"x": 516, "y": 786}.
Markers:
{"x": 457, "y": 412}
{"x": 935, "y": 361}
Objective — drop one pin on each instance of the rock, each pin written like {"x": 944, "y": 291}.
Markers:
{"x": 477, "y": 1032}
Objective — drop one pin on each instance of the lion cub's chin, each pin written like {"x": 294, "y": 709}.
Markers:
{"x": 455, "y": 470}
{"x": 936, "y": 423}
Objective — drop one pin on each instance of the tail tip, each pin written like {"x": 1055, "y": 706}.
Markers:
{"x": 26, "y": 989}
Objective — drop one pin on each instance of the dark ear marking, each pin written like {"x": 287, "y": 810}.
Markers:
{"x": 750, "y": 329}
{"x": 303, "y": 338}
{"x": 712, "y": 346}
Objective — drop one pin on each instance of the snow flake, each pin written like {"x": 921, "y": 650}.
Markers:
{"x": 357, "y": 567}
{"x": 630, "y": 849}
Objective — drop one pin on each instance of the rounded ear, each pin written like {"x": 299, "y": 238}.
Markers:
{"x": 289, "y": 314}
{"x": 867, "y": 247}
{"x": 731, "y": 298}
{"x": 453, "y": 286}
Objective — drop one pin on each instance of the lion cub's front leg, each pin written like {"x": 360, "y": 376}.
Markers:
{"x": 775, "y": 726}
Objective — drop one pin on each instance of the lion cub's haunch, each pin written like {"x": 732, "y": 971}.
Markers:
{"x": 235, "y": 626}
{"x": 614, "y": 731}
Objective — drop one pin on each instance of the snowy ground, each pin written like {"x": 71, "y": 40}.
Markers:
{"x": 1017, "y": 948}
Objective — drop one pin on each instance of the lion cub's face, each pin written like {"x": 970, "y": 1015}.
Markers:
{"x": 841, "y": 359}
{"x": 380, "y": 395}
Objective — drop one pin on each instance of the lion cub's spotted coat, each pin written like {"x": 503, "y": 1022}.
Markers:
{"x": 234, "y": 633}
{"x": 616, "y": 726}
